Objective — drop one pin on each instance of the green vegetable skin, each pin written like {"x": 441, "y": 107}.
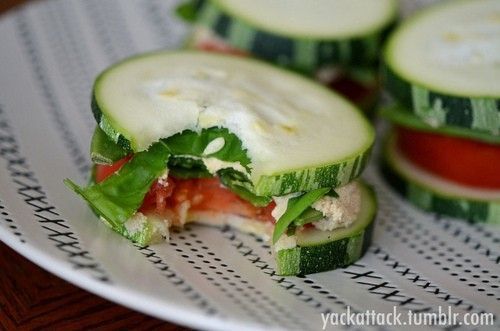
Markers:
{"x": 473, "y": 117}
{"x": 318, "y": 251}
{"x": 118, "y": 197}
{"x": 470, "y": 108}
{"x": 402, "y": 116}
{"x": 296, "y": 206}
{"x": 103, "y": 150}
{"x": 304, "y": 54}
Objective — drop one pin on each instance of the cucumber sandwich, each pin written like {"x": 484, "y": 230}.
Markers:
{"x": 337, "y": 41}
{"x": 442, "y": 69}
{"x": 198, "y": 137}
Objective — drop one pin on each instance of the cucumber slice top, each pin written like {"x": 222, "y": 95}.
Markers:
{"x": 320, "y": 19}
{"x": 451, "y": 48}
{"x": 285, "y": 121}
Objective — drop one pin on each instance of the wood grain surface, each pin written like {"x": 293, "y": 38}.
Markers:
{"x": 33, "y": 299}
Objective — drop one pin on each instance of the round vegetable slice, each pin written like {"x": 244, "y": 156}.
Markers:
{"x": 330, "y": 32}
{"x": 299, "y": 135}
{"x": 443, "y": 65}
{"x": 433, "y": 193}
{"x": 318, "y": 251}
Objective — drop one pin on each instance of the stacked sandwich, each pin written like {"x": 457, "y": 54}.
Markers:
{"x": 337, "y": 41}
{"x": 443, "y": 71}
{"x": 198, "y": 137}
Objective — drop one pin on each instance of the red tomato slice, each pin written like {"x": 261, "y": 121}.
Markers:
{"x": 362, "y": 95}
{"x": 203, "y": 194}
{"x": 208, "y": 194}
{"x": 103, "y": 171}
{"x": 460, "y": 160}
{"x": 157, "y": 199}
{"x": 219, "y": 47}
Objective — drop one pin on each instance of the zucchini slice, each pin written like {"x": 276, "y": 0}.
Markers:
{"x": 443, "y": 65}
{"x": 298, "y": 34}
{"x": 318, "y": 251}
{"x": 299, "y": 135}
{"x": 435, "y": 194}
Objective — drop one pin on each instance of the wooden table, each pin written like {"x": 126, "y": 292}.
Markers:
{"x": 31, "y": 298}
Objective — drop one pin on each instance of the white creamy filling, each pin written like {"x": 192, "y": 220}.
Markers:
{"x": 213, "y": 165}
{"x": 281, "y": 204}
{"x": 163, "y": 179}
{"x": 339, "y": 212}
{"x": 159, "y": 227}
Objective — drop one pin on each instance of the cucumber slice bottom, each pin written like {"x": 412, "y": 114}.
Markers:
{"x": 318, "y": 251}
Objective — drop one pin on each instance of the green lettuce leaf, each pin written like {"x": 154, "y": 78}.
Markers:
{"x": 118, "y": 197}
{"x": 195, "y": 144}
{"x": 187, "y": 167}
{"x": 296, "y": 206}
{"x": 103, "y": 150}
{"x": 308, "y": 216}
{"x": 188, "y": 10}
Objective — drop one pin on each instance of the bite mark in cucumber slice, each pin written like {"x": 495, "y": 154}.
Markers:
{"x": 304, "y": 50}
{"x": 318, "y": 251}
{"x": 432, "y": 193}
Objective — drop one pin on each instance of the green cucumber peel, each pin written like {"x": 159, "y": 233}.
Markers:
{"x": 296, "y": 206}
{"x": 400, "y": 115}
{"x": 117, "y": 198}
{"x": 103, "y": 150}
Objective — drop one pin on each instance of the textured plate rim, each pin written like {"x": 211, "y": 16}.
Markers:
{"x": 164, "y": 310}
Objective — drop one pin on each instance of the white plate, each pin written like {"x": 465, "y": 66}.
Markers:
{"x": 207, "y": 277}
